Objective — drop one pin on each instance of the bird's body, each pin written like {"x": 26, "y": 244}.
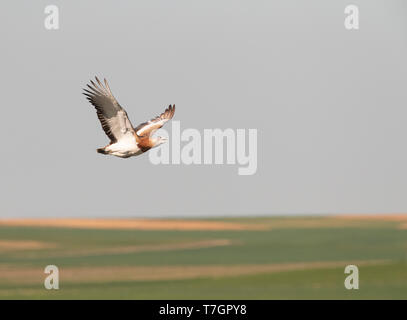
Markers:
{"x": 124, "y": 148}
{"x": 125, "y": 141}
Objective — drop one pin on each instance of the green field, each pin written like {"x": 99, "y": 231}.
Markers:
{"x": 285, "y": 258}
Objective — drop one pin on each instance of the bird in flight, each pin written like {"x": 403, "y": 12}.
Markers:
{"x": 125, "y": 141}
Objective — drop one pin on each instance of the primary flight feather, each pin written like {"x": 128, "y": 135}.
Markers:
{"x": 125, "y": 141}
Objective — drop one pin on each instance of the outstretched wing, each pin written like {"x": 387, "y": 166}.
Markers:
{"x": 112, "y": 116}
{"x": 148, "y": 128}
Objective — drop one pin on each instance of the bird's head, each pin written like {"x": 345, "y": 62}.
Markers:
{"x": 160, "y": 140}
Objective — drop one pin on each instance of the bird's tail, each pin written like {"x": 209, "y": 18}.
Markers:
{"x": 101, "y": 150}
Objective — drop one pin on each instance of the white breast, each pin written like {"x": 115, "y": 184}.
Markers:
{"x": 125, "y": 147}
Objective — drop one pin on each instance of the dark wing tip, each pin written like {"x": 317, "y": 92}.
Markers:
{"x": 172, "y": 111}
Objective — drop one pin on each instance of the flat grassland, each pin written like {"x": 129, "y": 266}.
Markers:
{"x": 230, "y": 258}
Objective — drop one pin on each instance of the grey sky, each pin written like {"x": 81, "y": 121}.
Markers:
{"x": 329, "y": 105}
